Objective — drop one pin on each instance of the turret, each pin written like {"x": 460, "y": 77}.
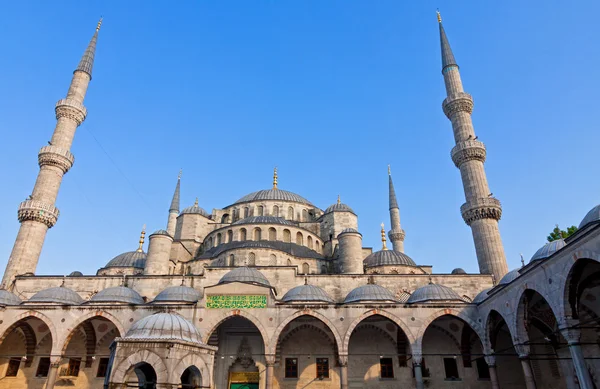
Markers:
{"x": 337, "y": 218}
{"x": 396, "y": 233}
{"x": 350, "y": 251}
{"x": 482, "y": 210}
{"x": 174, "y": 209}
{"x": 159, "y": 252}
{"x": 39, "y": 213}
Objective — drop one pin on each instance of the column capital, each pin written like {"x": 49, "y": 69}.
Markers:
{"x": 490, "y": 360}
{"x": 417, "y": 359}
{"x": 571, "y": 334}
{"x": 343, "y": 360}
{"x": 270, "y": 359}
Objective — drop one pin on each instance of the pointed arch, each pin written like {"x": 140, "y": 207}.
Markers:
{"x": 142, "y": 356}
{"x": 395, "y": 319}
{"x": 68, "y": 333}
{"x": 418, "y": 345}
{"x": 192, "y": 360}
{"x": 239, "y": 313}
{"x": 6, "y": 329}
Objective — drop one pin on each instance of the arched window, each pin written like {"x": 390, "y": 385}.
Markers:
{"x": 235, "y": 214}
{"x": 218, "y": 238}
{"x": 289, "y": 262}
{"x": 305, "y": 268}
{"x": 287, "y": 236}
{"x": 272, "y": 234}
{"x": 231, "y": 261}
{"x": 260, "y": 210}
{"x": 246, "y": 212}
{"x": 290, "y": 215}
{"x": 275, "y": 211}
{"x": 309, "y": 242}
{"x": 257, "y": 234}
{"x": 323, "y": 269}
{"x": 272, "y": 260}
{"x": 242, "y": 234}
{"x": 251, "y": 259}
{"x": 304, "y": 215}
{"x": 189, "y": 270}
{"x": 225, "y": 218}
{"x": 299, "y": 239}
{"x": 210, "y": 243}
{"x": 317, "y": 247}
{"x": 229, "y": 236}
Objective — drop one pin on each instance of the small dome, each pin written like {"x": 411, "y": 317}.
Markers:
{"x": 273, "y": 194}
{"x": 481, "y": 296}
{"x": 129, "y": 259}
{"x": 307, "y": 293}
{"x": 160, "y": 232}
{"x": 592, "y": 216}
{"x": 75, "y": 274}
{"x": 8, "y": 298}
{"x": 195, "y": 209}
{"x": 433, "y": 292}
{"x": 178, "y": 294}
{"x": 246, "y": 275}
{"x": 509, "y": 277}
{"x": 370, "y": 292}
{"x": 164, "y": 326}
{"x": 548, "y": 249}
{"x": 388, "y": 257}
{"x": 264, "y": 220}
{"x": 349, "y": 231}
{"x": 117, "y": 294}
{"x": 339, "y": 207}
{"x": 56, "y": 295}
{"x": 458, "y": 270}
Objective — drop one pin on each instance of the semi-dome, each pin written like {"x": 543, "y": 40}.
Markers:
{"x": 274, "y": 194}
{"x": 434, "y": 292}
{"x": 178, "y": 294}
{"x": 129, "y": 259}
{"x": 592, "y": 216}
{"x": 168, "y": 326}
{"x": 9, "y": 298}
{"x": 56, "y": 295}
{"x": 481, "y": 296}
{"x": 548, "y": 249}
{"x": 195, "y": 209}
{"x": 370, "y": 292}
{"x": 75, "y": 274}
{"x": 388, "y": 257}
{"x": 458, "y": 270}
{"x": 306, "y": 293}
{"x": 117, "y": 294}
{"x": 246, "y": 275}
{"x": 264, "y": 220}
{"x": 509, "y": 277}
{"x": 339, "y": 207}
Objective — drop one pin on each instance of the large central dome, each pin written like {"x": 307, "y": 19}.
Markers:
{"x": 274, "y": 194}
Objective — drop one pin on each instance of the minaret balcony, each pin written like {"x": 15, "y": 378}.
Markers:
{"x": 55, "y": 156}
{"x": 34, "y": 210}
{"x": 481, "y": 208}
{"x": 72, "y": 109}
{"x": 468, "y": 150}
{"x": 457, "y": 102}
{"x": 396, "y": 235}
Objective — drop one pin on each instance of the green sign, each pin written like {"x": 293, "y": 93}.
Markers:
{"x": 232, "y": 301}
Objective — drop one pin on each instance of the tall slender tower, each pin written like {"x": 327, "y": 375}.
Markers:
{"x": 481, "y": 211}
{"x": 396, "y": 234}
{"x": 38, "y": 213}
{"x": 174, "y": 208}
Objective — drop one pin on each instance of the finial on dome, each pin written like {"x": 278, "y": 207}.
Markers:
{"x": 62, "y": 284}
{"x": 142, "y": 236}
{"x": 339, "y": 201}
{"x": 183, "y": 281}
{"x": 383, "y": 239}
{"x": 430, "y": 281}
{"x": 305, "y": 280}
{"x": 99, "y": 24}
{"x": 522, "y": 260}
{"x": 439, "y": 16}
{"x": 275, "y": 178}
{"x": 196, "y": 202}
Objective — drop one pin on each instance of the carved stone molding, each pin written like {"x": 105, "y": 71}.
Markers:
{"x": 38, "y": 211}
{"x": 55, "y": 156}
{"x": 467, "y": 151}
{"x": 482, "y": 208}
{"x": 396, "y": 235}
{"x": 71, "y": 109}
{"x": 571, "y": 335}
{"x": 459, "y": 102}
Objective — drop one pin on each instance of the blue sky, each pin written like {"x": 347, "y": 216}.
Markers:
{"x": 330, "y": 92}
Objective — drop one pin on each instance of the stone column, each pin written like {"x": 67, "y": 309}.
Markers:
{"x": 527, "y": 372}
{"x": 417, "y": 360}
{"x": 270, "y": 362}
{"x": 491, "y": 362}
{"x": 573, "y": 337}
{"x": 343, "y": 371}
{"x": 53, "y": 372}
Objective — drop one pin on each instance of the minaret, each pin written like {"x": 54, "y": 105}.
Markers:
{"x": 174, "y": 209}
{"x": 396, "y": 234}
{"x": 481, "y": 211}
{"x": 38, "y": 213}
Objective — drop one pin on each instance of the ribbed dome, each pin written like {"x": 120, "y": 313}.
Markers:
{"x": 548, "y": 249}
{"x": 8, "y": 298}
{"x": 481, "y": 296}
{"x": 339, "y": 207}
{"x": 117, "y": 294}
{"x": 306, "y": 293}
{"x": 164, "y": 326}
{"x": 195, "y": 209}
{"x": 349, "y": 231}
{"x": 369, "y": 292}
{"x": 178, "y": 294}
{"x": 129, "y": 259}
{"x": 264, "y": 220}
{"x": 592, "y": 216}
{"x": 75, "y": 274}
{"x": 458, "y": 270}
{"x": 160, "y": 232}
{"x": 56, "y": 295}
{"x": 274, "y": 194}
{"x": 509, "y": 277}
{"x": 433, "y": 292}
{"x": 388, "y": 257}
{"x": 246, "y": 275}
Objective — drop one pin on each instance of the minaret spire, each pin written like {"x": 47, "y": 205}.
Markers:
{"x": 39, "y": 213}
{"x": 174, "y": 208}
{"x": 396, "y": 232}
{"x": 481, "y": 211}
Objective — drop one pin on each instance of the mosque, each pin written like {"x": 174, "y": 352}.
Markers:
{"x": 274, "y": 292}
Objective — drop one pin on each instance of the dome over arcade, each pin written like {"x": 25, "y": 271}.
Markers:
{"x": 164, "y": 326}
{"x": 434, "y": 292}
{"x": 509, "y": 277}
{"x": 75, "y": 274}
{"x": 264, "y": 220}
{"x": 388, "y": 258}
{"x": 548, "y": 249}
{"x": 9, "y": 298}
{"x": 178, "y": 294}
{"x": 369, "y": 292}
{"x": 194, "y": 209}
{"x": 135, "y": 259}
{"x": 117, "y": 294}
{"x": 246, "y": 275}
{"x": 306, "y": 293}
{"x": 339, "y": 207}
{"x": 481, "y": 296}
{"x": 56, "y": 295}
{"x": 592, "y": 216}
